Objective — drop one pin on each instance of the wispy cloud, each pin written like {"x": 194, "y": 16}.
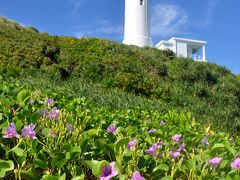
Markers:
{"x": 168, "y": 20}
{"x": 101, "y": 28}
{"x": 208, "y": 13}
{"x": 76, "y": 5}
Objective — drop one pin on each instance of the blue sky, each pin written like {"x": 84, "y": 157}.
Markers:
{"x": 216, "y": 21}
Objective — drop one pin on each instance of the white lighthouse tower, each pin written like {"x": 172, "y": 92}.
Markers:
{"x": 137, "y": 23}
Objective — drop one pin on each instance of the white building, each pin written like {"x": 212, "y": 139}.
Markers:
{"x": 185, "y": 48}
{"x": 137, "y": 32}
{"x": 137, "y": 23}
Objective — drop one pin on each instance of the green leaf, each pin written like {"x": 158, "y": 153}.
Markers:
{"x": 96, "y": 166}
{"x": 50, "y": 177}
{"x": 63, "y": 177}
{"x": 46, "y": 132}
{"x": 59, "y": 160}
{"x": 78, "y": 177}
{"x": 19, "y": 124}
{"x": 122, "y": 143}
{"x": 5, "y": 166}
{"x": 163, "y": 167}
{"x": 217, "y": 146}
{"x": 22, "y": 159}
{"x": 34, "y": 145}
{"x": 191, "y": 164}
{"x": 108, "y": 149}
{"x": 70, "y": 107}
{"x": 122, "y": 177}
{"x": 167, "y": 178}
{"x": 91, "y": 133}
{"x": 22, "y": 96}
{"x": 19, "y": 152}
{"x": 232, "y": 150}
{"x": 40, "y": 163}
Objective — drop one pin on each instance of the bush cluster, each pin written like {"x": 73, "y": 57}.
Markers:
{"x": 210, "y": 92}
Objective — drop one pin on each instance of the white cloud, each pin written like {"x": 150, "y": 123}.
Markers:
{"x": 168, "y": 20}
{"x": 101, "y": 28}
{"x": 76, "y": 5}
{"x": 208, "y": 15}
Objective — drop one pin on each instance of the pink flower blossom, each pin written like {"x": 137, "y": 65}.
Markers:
{"x": 11, "y": 132}
{"x": 28, "y": 131}
{"x": 137, "y": 176}
{"x": 236, "y": 164}
{"x": 215, "y": 161}
{"x": 152, "y": 131}
{"x": 111, "y": 129}
{"x": 132, "y": 144}
{"x": 153, "y": 149}
{"x": 52, "y": 133}
{"x": 54, "y": 113}
{"x": 70, "y": 127}
{"x": 174, "y": 155}
{"x": 49, "y": 101}
{"x": 162, "y": 123}
{"x": 205, "y": 141}
{"x": 181, "y": 147}
{"x": 108, "y": 172}
{"x": 177, "y": 137}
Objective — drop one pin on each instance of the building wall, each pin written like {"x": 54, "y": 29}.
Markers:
{"x": 181, "y": 49}
{"x": 168, "y": 46}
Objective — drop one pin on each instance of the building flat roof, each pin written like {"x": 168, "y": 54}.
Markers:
{"x": 188, "y": 40}
{"x": 163, "y": 42}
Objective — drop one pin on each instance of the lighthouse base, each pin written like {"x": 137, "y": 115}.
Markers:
{"x": 139, "y": 41}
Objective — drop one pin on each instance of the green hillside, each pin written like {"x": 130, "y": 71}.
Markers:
{"x": 119, "y": 76}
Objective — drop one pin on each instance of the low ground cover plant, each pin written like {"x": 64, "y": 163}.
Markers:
{"x": 44, "y": 135}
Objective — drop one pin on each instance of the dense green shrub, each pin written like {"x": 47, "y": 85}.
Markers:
{"x": 208, "y": 91}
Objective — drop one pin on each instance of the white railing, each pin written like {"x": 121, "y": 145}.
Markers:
{"x": 195, "y": 57}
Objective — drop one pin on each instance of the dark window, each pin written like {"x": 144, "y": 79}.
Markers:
{"x": 141, "y": 2}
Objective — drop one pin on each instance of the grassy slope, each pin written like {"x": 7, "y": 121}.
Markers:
{"x": 120, "y": 76}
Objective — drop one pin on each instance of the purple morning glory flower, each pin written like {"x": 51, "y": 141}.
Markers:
{"x": 44, "y": 112}
{"x": 28, "y": 131}
{"x": 31, "y": 101}
{"x": 137, "y": 176}
{"x": 159, "y": 144}
{"x": 108, "y": 172}
{"x": 111, "y": 129}
{"x": 54, "y": 113}
{"x": 231, "y": 139}
{"x": 132, "y": 144}
{"x": 159, "y": 155}
{"x": 152, "y": 131}
{"x": 37, "y": 92}
{"x": 205, "y": 141}
{"x": 11, "y": 132}
{"x": 153, "y": 149}
{"x": 174, "y": 155}
{"x": 162, "y": 123}
{"x": 177, "y": 137}
{"x": 70, "y": 127}
{"x": 181, "y": 147}
{"x": 52, "y": 133}
{"x": 49, "y": 101}
{"x": 236, "y": 164}
{"x": 215, "y": 161}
